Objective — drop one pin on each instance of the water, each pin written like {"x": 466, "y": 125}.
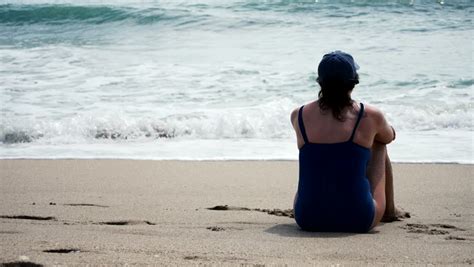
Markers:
{"x": 218, "y": 79}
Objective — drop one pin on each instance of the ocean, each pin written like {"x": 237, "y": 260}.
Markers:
{"x": 217, "y": 80}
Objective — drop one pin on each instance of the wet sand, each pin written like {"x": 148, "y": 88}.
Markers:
{"x": 216, "y": 213}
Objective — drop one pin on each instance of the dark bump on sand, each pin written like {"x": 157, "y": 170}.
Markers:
{"x": 9, "y": 232}
{"x": 127, "y": 223}
{"x": 226, "y": 207}
{"x": 219, "y": 207}
{"x": 85, "y": 205}
{"x": 455, "y": 238}
{"x": 215, "y": 228}
{"x": 192, "y": 257}
{"x": 28, "y": 217}
{"x": 249, "y": 223}
{"x": 20, "y": 264}
{"x": 62, "y": 250}
{"x": 276, "y": 212}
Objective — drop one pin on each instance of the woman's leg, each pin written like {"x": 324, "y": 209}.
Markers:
{"x": 380, "y": 174}
{"x": 392, "y": 213}
{"x": 376, "y": 171}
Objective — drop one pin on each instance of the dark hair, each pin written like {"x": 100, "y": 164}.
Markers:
{"x": 335, "y": 95}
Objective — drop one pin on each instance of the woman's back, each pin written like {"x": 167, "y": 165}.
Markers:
{"x": 322, "y": 127}
{"x": 333, "y": 191}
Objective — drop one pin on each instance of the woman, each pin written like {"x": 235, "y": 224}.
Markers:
{"x": 345, "y": 177}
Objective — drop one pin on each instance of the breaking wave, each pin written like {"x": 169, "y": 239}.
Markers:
{"x": 185, "y": 12}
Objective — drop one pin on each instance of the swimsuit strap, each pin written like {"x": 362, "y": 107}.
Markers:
{"x": 301, "y": 125}
{"x": 361, "y": 112}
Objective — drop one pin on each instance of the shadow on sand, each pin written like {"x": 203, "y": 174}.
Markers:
{"x": 293, "y": 230}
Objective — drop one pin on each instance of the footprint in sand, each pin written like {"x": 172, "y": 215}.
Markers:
{"x": 433, "y": 229}
{"x": 446, "y": 226}
{"x": 423, "y": 229}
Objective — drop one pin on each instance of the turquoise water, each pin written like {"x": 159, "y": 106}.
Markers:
{"x": 218, "y": 79}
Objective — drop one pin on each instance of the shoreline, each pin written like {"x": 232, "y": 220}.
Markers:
{"x": 161, "y": 212}
{"x": 227, "y": 160}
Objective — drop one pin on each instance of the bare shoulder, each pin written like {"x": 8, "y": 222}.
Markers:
{"x": 374, "y": 113}
{"x": 384, "y": 132}
{"x": 294, "y": 115}
{"x": 294, "y": 118}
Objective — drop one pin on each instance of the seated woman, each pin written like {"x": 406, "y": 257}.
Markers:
{"x": 345, "y": 175}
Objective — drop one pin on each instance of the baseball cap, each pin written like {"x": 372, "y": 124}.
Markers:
{"x": 337, "y": 66}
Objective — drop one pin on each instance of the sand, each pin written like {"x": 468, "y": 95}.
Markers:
{"x": 156, "y": 213}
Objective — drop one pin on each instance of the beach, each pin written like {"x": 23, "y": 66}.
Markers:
{"x": 158, "y": 132}
{"x": 140, "y": 212}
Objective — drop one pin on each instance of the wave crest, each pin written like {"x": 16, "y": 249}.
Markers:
{"x": 265, "y": 121}
{"x": 66, "y": 14}
{"x": 188, "y": 13}
{"x": 57, "y": 14}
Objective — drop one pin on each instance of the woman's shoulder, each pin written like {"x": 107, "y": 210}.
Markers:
{"x": 373, "y": 112}
{"x": 294, "y": 113}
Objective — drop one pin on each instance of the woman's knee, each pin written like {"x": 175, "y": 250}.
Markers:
{"x": 377, "y": 146}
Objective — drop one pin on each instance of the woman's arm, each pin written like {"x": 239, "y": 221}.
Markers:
{"x": 294, "y": 123}
{"x": 385, "y": 132}
{"x": 294, "y": 118}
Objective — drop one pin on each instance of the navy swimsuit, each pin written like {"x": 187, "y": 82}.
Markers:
{"x": 333, "y": 190}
